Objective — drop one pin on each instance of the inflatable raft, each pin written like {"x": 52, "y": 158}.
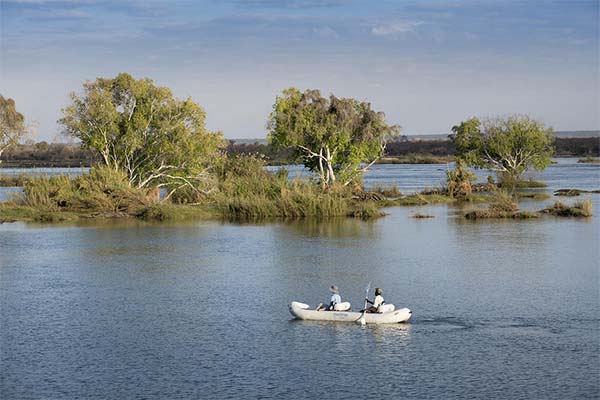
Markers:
{"x": 303, "y": 311}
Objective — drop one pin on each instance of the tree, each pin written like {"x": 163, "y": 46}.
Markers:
{"x": 333, "y": 136}
{"x": 139, "y": 128}
{"x": 12, "y": 124}
{"x": 509, "y": 145}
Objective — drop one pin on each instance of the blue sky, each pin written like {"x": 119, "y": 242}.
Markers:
{"x": 426, "y": 64}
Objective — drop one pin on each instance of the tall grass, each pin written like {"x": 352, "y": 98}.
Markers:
{"x": 585, "y": 206}
{"x": 248, "y": 192}
{"x": 501, "y": 205}
{"x": 101, "y": 191}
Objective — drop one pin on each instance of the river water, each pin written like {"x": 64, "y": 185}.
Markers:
{"x": 501, "y": 309}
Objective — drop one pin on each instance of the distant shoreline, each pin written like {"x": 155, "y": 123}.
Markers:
{"x": 410, "y": 150}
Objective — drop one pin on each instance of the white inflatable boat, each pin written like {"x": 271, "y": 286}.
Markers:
{"x": 303, "y": 311}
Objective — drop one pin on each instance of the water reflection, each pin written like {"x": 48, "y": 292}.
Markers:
{"x": 399, "y": 334}
{"x": 333, "y": 228}
{"x": 348, "y": 334}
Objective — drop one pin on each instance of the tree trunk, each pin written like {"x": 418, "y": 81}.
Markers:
{"x": 321, "y": 171}
{"x": 330, "y": 173}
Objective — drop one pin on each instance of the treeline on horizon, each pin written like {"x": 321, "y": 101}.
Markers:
{"x": 44, "y": 154}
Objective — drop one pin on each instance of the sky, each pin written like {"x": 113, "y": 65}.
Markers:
{"x": 426, "y": 64}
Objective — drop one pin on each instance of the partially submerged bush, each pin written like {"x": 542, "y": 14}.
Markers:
{"x": 503, "y": 202}
{"x": 459, "y": 181}
{"x": 496, "y": 214}
{"x": 579, "y": 209}
{"x": 421, "y": 216}
{"x": 502, "y": 205}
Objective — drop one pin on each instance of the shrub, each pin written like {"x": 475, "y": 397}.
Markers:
{"x": 459, "y": 181}
{"x": 585, "y": 206}
{"x": 502, "y": 202}
{"x": 579, "y": 209}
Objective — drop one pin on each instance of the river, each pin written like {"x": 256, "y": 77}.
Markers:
{"x": 501, "y": 309}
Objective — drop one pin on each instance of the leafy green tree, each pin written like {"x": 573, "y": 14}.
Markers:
{"x": 334, "y": 137}
{"x": 141, "y": 129}
{"x": 509, "y": 145}
{"x": 12, "y": 124}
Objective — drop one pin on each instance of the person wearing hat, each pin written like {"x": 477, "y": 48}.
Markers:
{"x": 377, "y": 301}
{"x": 335, "y": 299}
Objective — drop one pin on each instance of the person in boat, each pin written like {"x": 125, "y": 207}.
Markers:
{"x": 335, "y": 299}
{"x": 377, "y": 301}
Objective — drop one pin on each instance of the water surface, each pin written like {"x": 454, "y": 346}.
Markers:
{"x": 502, "y": 309}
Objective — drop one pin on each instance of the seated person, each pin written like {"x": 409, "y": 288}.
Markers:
{"x": 377, "y": 301}
{"x": 335, "y": 299}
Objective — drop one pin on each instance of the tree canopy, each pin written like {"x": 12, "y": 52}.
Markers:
{"x": 12, "y": 124}
{"x": 509, "y": 145}
{"x": 334, "y": 137}
{"x": 140, "y": 128}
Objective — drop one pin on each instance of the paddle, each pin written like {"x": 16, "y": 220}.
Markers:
{"x": 362, "y": 318}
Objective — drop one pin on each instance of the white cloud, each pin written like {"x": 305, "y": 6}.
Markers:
{"x": 395, "y": 28}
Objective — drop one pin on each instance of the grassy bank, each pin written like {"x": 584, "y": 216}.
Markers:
{"x": 102, "y": 193}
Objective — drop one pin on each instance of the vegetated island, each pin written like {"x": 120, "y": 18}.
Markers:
{"x": 152, "y": 158}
